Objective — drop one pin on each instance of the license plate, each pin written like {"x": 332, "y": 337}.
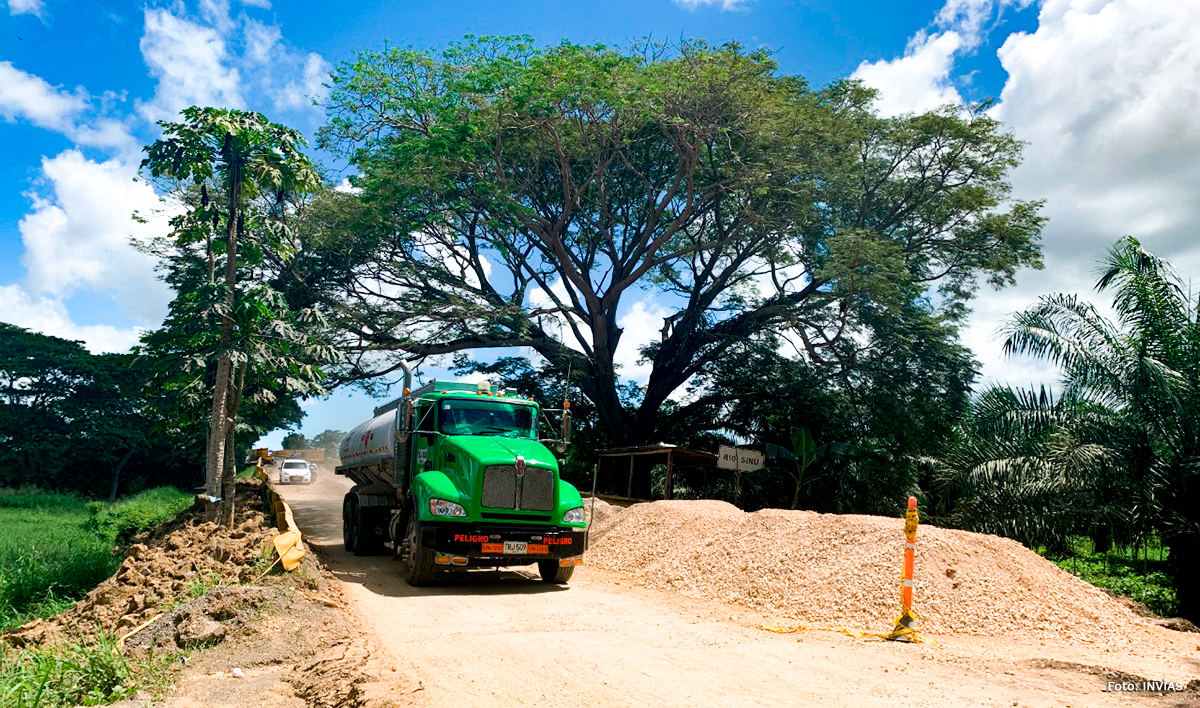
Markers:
{"x": 515, "y": 546}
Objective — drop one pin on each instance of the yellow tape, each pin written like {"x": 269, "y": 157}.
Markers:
{"x": 909, "y": 634}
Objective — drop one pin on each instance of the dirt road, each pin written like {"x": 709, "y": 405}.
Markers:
{"x": 506, "y": 639}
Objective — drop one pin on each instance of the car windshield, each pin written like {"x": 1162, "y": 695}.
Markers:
{"x": 483, "y": 417}
{"x": 296, "y": 463}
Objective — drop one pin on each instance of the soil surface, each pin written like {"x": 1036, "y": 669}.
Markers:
{"x": 243, "y": 636}
{"x": 503, "y": 638}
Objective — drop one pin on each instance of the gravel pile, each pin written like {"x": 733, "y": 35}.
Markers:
{"x": 831, "y": 570}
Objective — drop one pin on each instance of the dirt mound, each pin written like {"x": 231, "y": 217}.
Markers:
{"x": 831, "y": 570}
{"x": 599, "y": 513}
{"x": 181, "y": 557}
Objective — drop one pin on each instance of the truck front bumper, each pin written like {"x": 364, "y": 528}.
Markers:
{"x": 495, "y": 545}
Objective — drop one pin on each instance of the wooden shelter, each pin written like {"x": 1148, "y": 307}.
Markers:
{"x": 626, "y": 471}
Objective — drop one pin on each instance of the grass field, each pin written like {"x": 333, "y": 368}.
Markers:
{"x": 56, "y": 547}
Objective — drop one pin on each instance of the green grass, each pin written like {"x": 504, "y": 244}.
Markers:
{"x": 56, "y": 547}
{"x": 1144, "y": 578}
{"x": 76, "y": 675}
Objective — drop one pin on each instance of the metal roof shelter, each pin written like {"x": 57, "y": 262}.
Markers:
{"x": 633, "y": 476}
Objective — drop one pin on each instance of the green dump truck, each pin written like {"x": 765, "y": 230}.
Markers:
{"x": 454, "y": 476}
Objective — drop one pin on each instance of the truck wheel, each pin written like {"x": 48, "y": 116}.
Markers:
{"x": 419, "y": 566}
{"x": 350, "y": 531}
{"x": 552, "y": 572}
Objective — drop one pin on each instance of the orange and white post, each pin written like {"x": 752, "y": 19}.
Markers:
{"x": 906, "y": 623}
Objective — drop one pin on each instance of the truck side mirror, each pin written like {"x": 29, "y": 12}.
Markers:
{"x": 403, "y": 421}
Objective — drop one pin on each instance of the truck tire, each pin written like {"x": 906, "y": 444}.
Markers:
{"x": 552, "y": 572}
{"x": 419, "y": 567}
{"x": 350, "y": 523}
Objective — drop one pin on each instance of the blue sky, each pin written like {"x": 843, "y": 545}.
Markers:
{"x": 1103, "y": 91}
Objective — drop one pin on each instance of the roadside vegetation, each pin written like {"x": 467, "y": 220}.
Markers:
{"x": 55, "y": 547}
{"x": 1142, "y": 573}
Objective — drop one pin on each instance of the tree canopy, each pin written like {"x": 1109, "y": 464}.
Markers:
{"x": 516, "y": 195}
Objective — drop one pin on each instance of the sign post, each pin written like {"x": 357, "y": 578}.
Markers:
{"x": 740, "y": 459}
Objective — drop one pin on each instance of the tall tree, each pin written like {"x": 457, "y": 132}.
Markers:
{"x": 523, "y": 196}
{"x": 247, "y": 158}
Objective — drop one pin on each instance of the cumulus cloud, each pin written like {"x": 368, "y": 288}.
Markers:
{"x": 24, "y": 96}
{"x": 919, "y": 80}
{"x": 308, "y": 87}
{"x": 217, "y": 59}
{"x": 77, "y": 236}
{"x": 26, "y": 7}
{"x": 922, "y": 80}
{"x": 643, "y": 324}
{"x": 32, "y": 98}
{"x": 1103, "y": 93}
{"x": 190, "y": 62}
{"x": 48, "y": 316}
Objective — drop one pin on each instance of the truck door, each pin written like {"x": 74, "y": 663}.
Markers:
{"x": 423, "y": 440}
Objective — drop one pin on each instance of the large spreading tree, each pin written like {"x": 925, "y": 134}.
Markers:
{"x": 520, "y": 196}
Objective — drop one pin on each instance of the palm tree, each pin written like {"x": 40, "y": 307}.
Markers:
{"x": 1125, "y": 436}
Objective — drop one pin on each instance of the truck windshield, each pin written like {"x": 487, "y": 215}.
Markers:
{"x": 462, "y": 416}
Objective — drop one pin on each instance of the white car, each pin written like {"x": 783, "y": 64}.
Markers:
{"x": 296, "y": 471}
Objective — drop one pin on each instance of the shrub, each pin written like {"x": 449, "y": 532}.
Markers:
{"x": 121, "y": 521}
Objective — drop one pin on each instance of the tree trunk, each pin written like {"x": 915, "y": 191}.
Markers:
{"x": 219, "y": 421}
{"x": 116, "y": 478}
{"x": 1185, "y": 558}
{"x": 229, "y": 472}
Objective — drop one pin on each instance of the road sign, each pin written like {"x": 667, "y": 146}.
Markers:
{"x": 739, "y": 458}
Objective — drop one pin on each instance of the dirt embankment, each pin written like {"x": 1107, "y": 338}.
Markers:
{"x": 249, "y": 637}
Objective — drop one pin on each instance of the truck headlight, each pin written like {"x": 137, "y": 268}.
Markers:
{"x": 574, "y": 516}
{"x": 441, "y": 507}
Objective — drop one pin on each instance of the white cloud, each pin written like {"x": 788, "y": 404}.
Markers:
{"x": 33, "y": 99}
{"x": 24, "y": 96}
{"x": 77, "y": 235}
{"x": 309, "y": 86}
{"x": 918, "y": 81}
{"x": 26, "y": 7}
{"x": 1104, "y": 93}
{"x": 723, "y": 4}
{"x": 190, "y": 62}
{"x": 219, "y": 60}
{"x": 216, "y": 13}
{"x": 346, "y": 188}
{"x": 921, "y": 79}
{"x": 48, "y": 316}
{"x": 643, "y": 324}
{"x": 264, "y": 4}
{"x": 556, "y": 324}
{"x": 261, "y": 41}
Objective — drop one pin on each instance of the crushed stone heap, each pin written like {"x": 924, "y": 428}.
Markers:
{"x": 833, "y": 570}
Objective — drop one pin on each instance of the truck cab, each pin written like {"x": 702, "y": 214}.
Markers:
{"x": 453, "y": 476}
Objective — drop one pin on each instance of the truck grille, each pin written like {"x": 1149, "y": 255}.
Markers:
{"x": 502, "y": 489}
